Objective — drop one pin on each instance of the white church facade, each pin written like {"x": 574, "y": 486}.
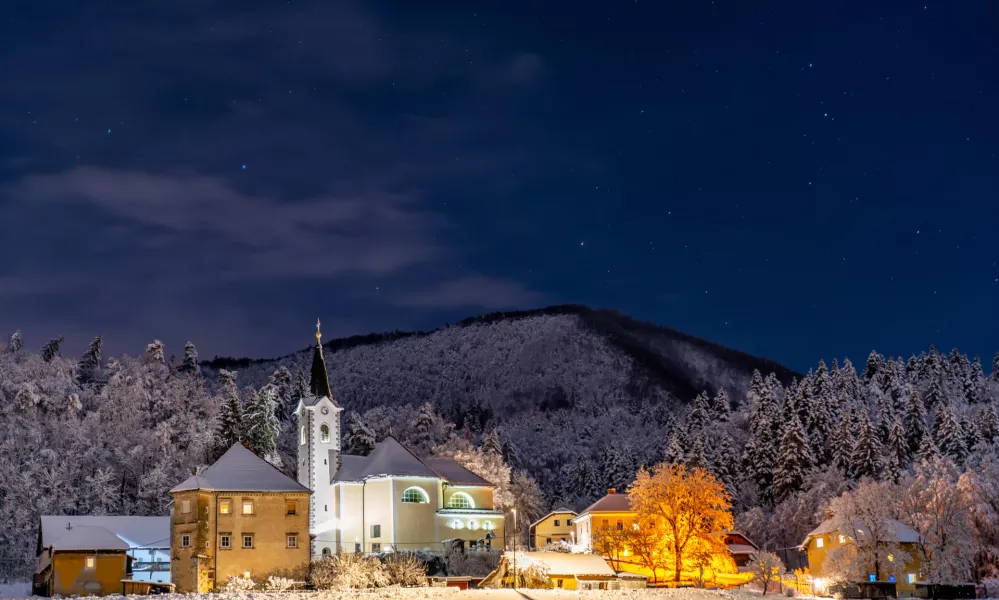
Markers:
{"x": 390, "y": 500}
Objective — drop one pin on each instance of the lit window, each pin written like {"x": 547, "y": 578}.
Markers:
{"x": 225, "y": 507}
{"x": 292, "y": 540}
{"x": 248, "y": 540}
{"x": 487, "y": 525}
{"x": 460, "y": 500}
{"x": 911, "y": 577}
{"x": 303, "y": 436}
{"x": 457, "y": 524}
{"x": 247, "y": 507}
{"x": 556, "y": 522}
{"x": 225, "y": 541}
{"x": 376, "y": 531}
{"x": 185, "y": 506}
{"x": 291, "y": 507}
{"x": 842, "y": 539}
{"x": 626, "y": 552}
{"x": 415, "y": 495}
{"x": 185, "y": 541}
{"x": 819, "y": 542}
{"x": 90, "y": 562}
{"x": 891, "y": 558}
{"x": 473, "y": 525}
{"x": 324, "y": 434}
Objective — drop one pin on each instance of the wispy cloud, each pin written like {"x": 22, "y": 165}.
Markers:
{"x": 472, "y": 292}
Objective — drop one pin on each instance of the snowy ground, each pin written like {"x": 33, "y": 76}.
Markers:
{"x": 22, "y": 590}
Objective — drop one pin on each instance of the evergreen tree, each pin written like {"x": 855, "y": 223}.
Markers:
{"x": 15, "y": 344}
{"x": 915, "y": 422}
{"x": 886, "y": 414}
{"x": 697, "y": 456}
{"x": 722, "y": 406}
{"x": 927, "y": 450}
{"x": 820, "y": 421}
{"x": 190, "y": 362}
{"x": 88, "y": 367}
{"x": 230, "y": 428}
{"x": 287, "y": 398}
{"x": 725, "y": 461}
{"x": 511, "y": 456}
{"x": 988, "y": 425}
{"x": 358, "y": 439}
{"x": 424, "y": 435}
{"x": 674, "y": 453}
{"x": 846, "y": 385}
{"x": 933, "y": 395}
{"x": 875, "y": 363}
{"x": 618, "y": 466}
{"x": 794, "y": 461}
{"x": 154, "y": 352}
{"x": 51, "y": 349}
{"x": 994, "y": 376}
{"x": 896, "y": 442}
{"x": 760, "y": 454}
{"x": 866, "y": 456}
{"x": 261, "y": 423}
{"x": 792, "y": 399}
{"x": 700, "y": 415}
{"x": 491, "y": 443}
{"x": 891, "y": 468}
{"x": 949, "y": 435}
{"x": 977, "y": 378}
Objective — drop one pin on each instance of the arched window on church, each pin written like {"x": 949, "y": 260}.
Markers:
{"x": 324, "y": 434}
{"x": 415, "y": 495}
{"x": 460, "y": 500}
{"x": 327, "y": 551}
{"x": 304, "y": 440}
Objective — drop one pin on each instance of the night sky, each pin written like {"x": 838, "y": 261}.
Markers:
{"x": 799, "y": 180}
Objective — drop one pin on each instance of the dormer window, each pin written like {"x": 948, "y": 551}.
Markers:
{"x": 324, "y": 434}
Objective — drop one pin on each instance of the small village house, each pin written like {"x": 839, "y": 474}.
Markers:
{"x": 240, "y": 517}
{"x": 391, "y": 499}
{"x": 613, "y": 510}
{"x": 832, "y": 558}
{"x": 95, "y": 555}
{"x": 556, "y": 526}
{"x": 566, "y": 571}
{"x": 741, "y": 548}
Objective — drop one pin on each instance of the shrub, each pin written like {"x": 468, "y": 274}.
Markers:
{"x": 239, "y": 584}
{"x": 534, "y": 576}
{"x": 405, "y": 569}
{"x": 478, "y": 563}
{"x": 348, "y": 571}
{"x": 278, "y": 584}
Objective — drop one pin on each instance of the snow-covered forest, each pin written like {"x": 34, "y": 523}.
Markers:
{"x": 573, "y": 404}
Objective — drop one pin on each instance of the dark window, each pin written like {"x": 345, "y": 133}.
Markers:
{"x": 559, "y": 582}
{"x": 620, "y": 525}
{"x": 376, "y": 531}
{"x": 185, "y": 541}
{"x": 568, "y": 522}
{"x": 548, "y": 540}
{"x": 291, "y": 507}
{"x": 327, "y": 551}
{"x": 606, "y": 523}
{"x": 225, "y": 541}
{"x": 376, "y": 547}
{"x": 357, "y": 547}
{"x": 248, "y": 540}
{"x": 557, "y": 523}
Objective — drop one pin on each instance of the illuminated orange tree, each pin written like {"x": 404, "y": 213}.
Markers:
{"x": 688, "y": 508}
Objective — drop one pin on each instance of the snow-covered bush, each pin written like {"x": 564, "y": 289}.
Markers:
{"x": 238, "y": 583}
{"x": 348, "y": 571}
{"x": 472, "y": 564}
{"x": 991, "y": 588}
{"x": 559, "y": 546}
{"x": 534, "y": 576}
{"x": 278, "y": 584}
{"x": 405, "y": 569}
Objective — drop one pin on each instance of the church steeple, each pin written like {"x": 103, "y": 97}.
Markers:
{"x": 319, "y": 383}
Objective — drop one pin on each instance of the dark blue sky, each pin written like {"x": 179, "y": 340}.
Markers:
{"x": 793, "y": 179}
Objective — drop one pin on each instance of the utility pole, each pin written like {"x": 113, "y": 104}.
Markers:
{"x": 514, "y": 548}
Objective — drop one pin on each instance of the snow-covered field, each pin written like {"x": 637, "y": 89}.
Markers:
{"x": 22, "y": 590}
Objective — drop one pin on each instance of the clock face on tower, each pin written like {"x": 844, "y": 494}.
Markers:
{"x": 325, "y": 411}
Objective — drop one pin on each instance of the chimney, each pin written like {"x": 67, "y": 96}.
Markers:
{"x": 611, "y": 491}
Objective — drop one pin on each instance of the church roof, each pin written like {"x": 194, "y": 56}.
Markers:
{"x": 390, "y": 458}
{"x": 133, "y": 532}
{"x": 319, "y": 383}
{"x": 240, "y": 470}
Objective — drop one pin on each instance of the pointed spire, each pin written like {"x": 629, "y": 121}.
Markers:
{"x": 319, "y": 384}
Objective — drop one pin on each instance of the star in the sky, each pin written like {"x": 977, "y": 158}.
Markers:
{"x": 243, "y": 167}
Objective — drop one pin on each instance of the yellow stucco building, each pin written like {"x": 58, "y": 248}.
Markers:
{"x": 391, "y": 499}
{"x": 556, "y": 526}
{"x": 241, "y": 516}
{"x": 83, "y": 561}
{"x": 832, "y": 558}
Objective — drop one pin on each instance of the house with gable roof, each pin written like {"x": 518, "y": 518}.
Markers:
{"x": 391, "y": 499}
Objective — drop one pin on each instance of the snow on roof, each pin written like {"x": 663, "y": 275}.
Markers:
{"x": 391, "y": 458}
{"x": 454, "y": 473}
{"x": 740, "y": 549}
{"x": 561, "y": 564}
{"x": 899, "y": 531}
{"x": 240, "y": 470}
{"x": 609, "y": 503}
{"x": 135, "y": 532}
{"x": 84, "y": 537}
{"x": 557, "y": 511}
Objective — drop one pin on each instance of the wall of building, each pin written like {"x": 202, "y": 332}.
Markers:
{"x": 316, "y": 472}
{"x": 831, "y": 543}
{"x": 584, "y": 525}
{"x": 482, "y": 497}
{"x": 415, "y": 525}
{"x": 202, "y": 565}
{"x": 70, "y": 575}
{"x": 547, "y": 529}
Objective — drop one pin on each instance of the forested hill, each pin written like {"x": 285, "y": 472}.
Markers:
{"x": 508, "y": 362}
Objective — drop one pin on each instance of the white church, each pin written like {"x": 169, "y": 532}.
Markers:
{"x": 389, "y": 500}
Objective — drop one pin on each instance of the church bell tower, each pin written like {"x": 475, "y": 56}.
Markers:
{"x": 319, "y": 452}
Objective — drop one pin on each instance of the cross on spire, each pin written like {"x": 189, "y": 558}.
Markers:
{"x": 319, "y": 334}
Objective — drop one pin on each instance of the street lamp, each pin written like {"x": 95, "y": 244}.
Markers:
{"x": 514, "y": 548}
